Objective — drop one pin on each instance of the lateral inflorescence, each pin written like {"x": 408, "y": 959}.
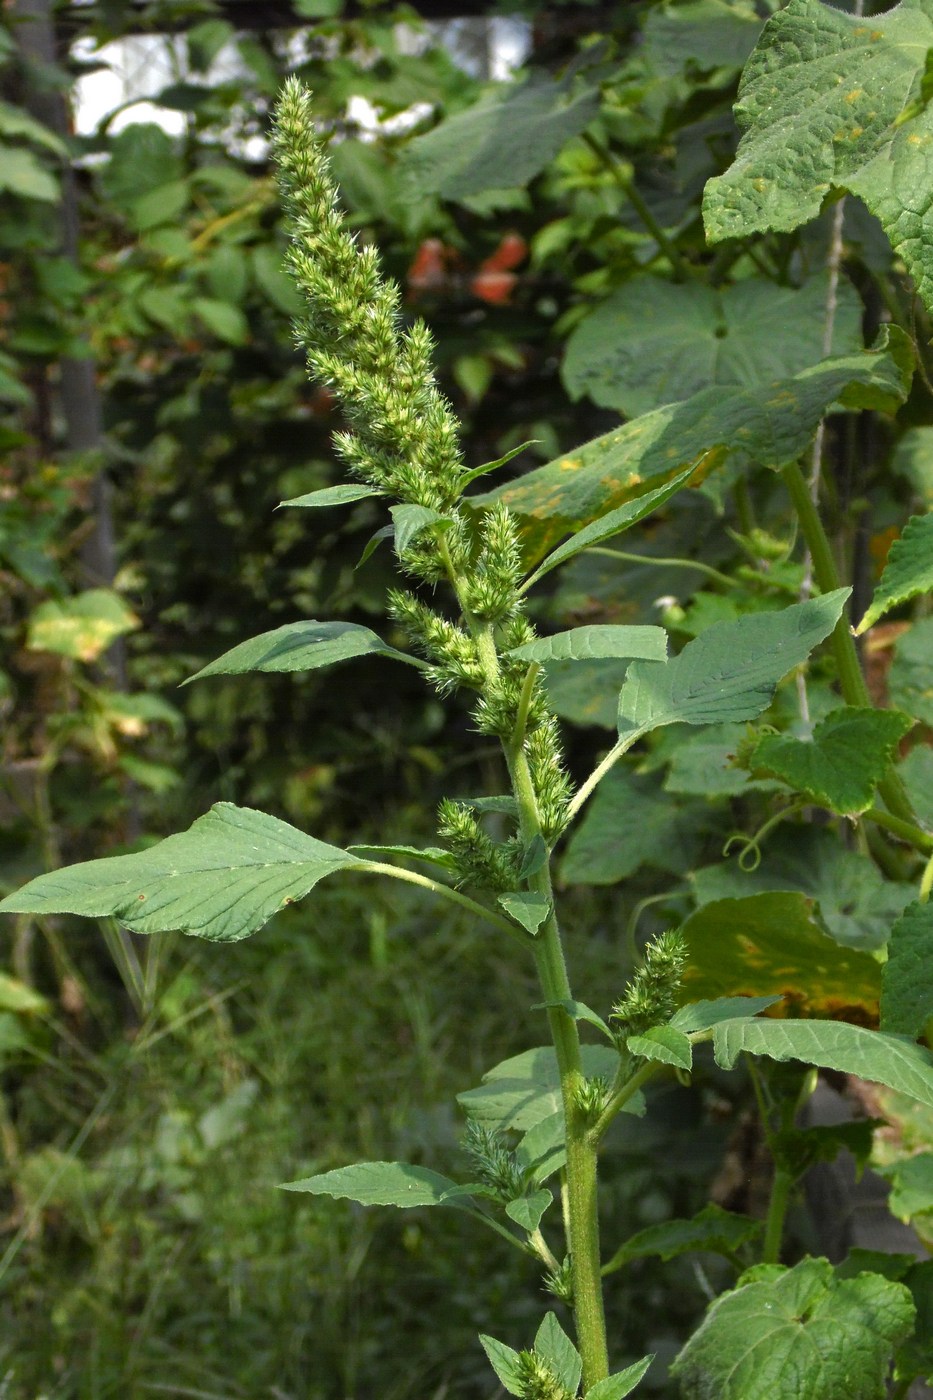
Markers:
{"x": 650, "y": 998}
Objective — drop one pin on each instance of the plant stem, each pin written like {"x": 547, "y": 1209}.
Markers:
{"x": 621, "y": 1097}
{"x": 670, "y": 563}
{"x": 851, "y": 680}
{"x": 414, "y": 877}
{"x": 777, "y": 1210}
{"x": 599, "y": 772}
{"x": 627, "y": 185}
{"x": 920, "y": 840}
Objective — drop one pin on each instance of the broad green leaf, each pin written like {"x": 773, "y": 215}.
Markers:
{"x": 823, "y": 105}
{"x": 910, "y": 679}
{"x": 665, "y": 1044}
{"x": 580, "y": 1012}
{"x": 654, "y": 342}
{"x": 773, "y": 945}
{"x": 14, "y": 121}
{"x": 699, "y": 37}
{"x": 410, "y": 520}
{"x": 915, "y": 1357}
{"x": 383, "y": 1184}
{"x": 702, "y": 1015}
{"x": 223, "y": 320}
{"x": 332, "y": 496}
{"x": 785, "y": 1333}
{"x": 498, "y": 144}
{"x": 628, "y": 823}
{"x": 524, "y": 1090}
{"x": 301, "y": 646}
{"x": 715, "y": 1230}
{"x": 504, "y": 1361}
{"x": 621, "y": 1383}
{"x": 534, "y": 857}
{"x": 703, "y": 764}
{"x": 527, "y": 1211}
{"x": 487, "y": 467}
{"x": 222, "y": 879}
{"x": 615, "y": 521}
{"x": 730, "y": 671}
{"x": 772, "y": 425}
{"x": 875, "y": 1055}
{"x": 529, "y": 910}
{"x": 23, "y": 174}
{"x": 143, "y": 158}
{"x": 855, "y": 902}
{"x": 274, "y": 282}
{"x": 907, "y": 976}
{"x": 840, "y": 767}
{"x": 912, "y": 459}
{"x": 541, "y": 1149}
{"x": 586, "y": 692}
{"x": 596, "y": 642}
{"x": 554, "y": 1346}
{"x": 82, "y": 627}
{"x": 908, "y": 570}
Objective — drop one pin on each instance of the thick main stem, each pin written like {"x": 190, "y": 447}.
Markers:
{"x": 582, "y": 1212}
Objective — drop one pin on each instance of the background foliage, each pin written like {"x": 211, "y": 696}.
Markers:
{"x": 550, "y": 229}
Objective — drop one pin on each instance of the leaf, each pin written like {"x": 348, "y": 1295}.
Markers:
{"x": 654, "y": 342}
{"x": 143, "y": 158}
{"x": 274, "y": 282}
{"x": 82, "y": 627}
{"x": 773, "y": 945}
{"x": 704, "y": 764}
{"x": 301, "y": 646}
{"x": 702, "y": 1015}
{"x": 770, "y": 424}
{"x": 23, "y": 174}
{"x": 629, "y": 823}
{"x": 580, "y": 1012}
{"x": 908, "y": 570}
{"x": 699, "y": 37}
{"x": 529, "y": 910}
{"x": 541, "y": 1149}
{"x": 714, "y": 1230}
{"x": 823, "y": 106}
{"x": 916, "y": 771}
{"x": 873, "y": 1055}
{"x": 911, "y": 1185}
{"x": 784, "y": 1333}
{"x": 534, "y": 857}
{"x": 332, "y": 496}
{"x": 14, "y": 121}
{"x": 504, "y": 1361}
{"x": 730, "y": 671}
{"x": 383, "y": 1184}
{"x": 554, "y": 1346}
{"x": 840, "y": 767}
{"x": 222, "y": 879}
{"x": 910, "y": 679}
{"x": 856, "y": 903}
{"x": 409, "y": 521}
{"x": 665, "y": 1044}
{"x": 596, "y": 642}
{"x": 434, "y": 855}
{"x": 907, "y": 976}
{"x": 499, "y": 144}
{"x": 527, "y": 1211}
{"x": 622, "y": 1383}
{"x": 223, "y": 320}
{"x": 487, "y": 467}
{"x": 20, "y": 998}
{"x": 624, "y": 516}
{"x": 586, "y": 692}
{"x": 523, "y": 1091}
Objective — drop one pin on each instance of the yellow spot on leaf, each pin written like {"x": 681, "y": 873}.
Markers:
{"x": 854, "y": 95}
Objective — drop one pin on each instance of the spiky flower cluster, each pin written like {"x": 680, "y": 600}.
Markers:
{"x": 402, "y": 438}
{"x": 495, "y": 1165}
{"x": 651, "y": 996}
{"x": 480, "y": 861}
{"x": 536, "y": 1379}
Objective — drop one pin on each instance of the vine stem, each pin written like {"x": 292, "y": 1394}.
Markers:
{"x": 851, "y": 680}
{"x": 414, "y": 877}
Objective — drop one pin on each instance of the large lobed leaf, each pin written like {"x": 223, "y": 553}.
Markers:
{"x": 840, "y": 767}
{"x": 730, "y": 671}
{"x": 654, "y": 342}
{"x": 783, "y": 1334}
{"x": 875, "y": 1055}
{"x": 222, "y": 879}
{"x": 771, "y": 424}
{"x": 824, "y": 105}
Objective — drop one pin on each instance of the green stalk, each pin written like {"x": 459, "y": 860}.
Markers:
{"x": 777, "y": 1211}
{"x": 851, "y": 680}
{"x": 581, "y": 1169}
